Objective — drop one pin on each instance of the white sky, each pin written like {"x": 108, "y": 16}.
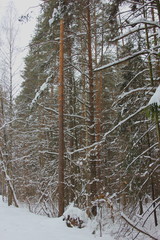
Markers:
{"x": 23, "y": 7}
{"x": 26, "y": 30}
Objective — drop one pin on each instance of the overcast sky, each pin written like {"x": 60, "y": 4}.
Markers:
{"x": 23, "y": 7}
{"x": 26, "y": 30}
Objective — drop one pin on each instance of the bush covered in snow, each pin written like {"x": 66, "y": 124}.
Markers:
{"x": 75, "y": 217}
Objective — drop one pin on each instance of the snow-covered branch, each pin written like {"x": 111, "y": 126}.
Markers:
{"x": 43, "y": 87}
{"x": 133, "y": 91}
{"x": 155, "y": 99}
{"x": 131, "y": 31}
{"x": 145, "y": 21}
{"x": 79, "y": 70}
{"x": 8, "y": 123}
{"x": 96, "y": 144}
{"x": 124, "y": 121}
{"x": 122, "y": 60}
{"x": 145, "y": 151}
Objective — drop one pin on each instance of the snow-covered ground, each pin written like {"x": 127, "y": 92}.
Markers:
{"x": 20, "y": 224}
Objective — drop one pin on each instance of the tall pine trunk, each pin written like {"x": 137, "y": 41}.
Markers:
{"x": 91, "y": 105}
{"x": 61, "y": 122}
{"x": 156, "y": 113}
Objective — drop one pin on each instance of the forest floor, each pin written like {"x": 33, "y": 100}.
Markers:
{"x": 20, "y": 224}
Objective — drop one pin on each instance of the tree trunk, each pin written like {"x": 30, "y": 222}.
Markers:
{"x": 61, "y": 121}
{"x": 98, "y": 108}
{"x": 91, "y": 105}
{"x": 156, "y": 113}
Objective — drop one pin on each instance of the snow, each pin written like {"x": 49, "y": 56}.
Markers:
{"x": 96, "y": 144}
{"x": 158, "y": 32}
{"x": 51, "y": 21}
{"x": 43, "y": 87}
{"x": 144, "y": 51}
{"x": 55, "y": 15}
{"x": 155, "y": 99}
{"x": 19, "y": 223}
{"x": 75, "y": 213}
{"x": 139, "y": 228}
{"x": 41, "y": 90}
{"x": 124, "y": 94}
{"x": 145, "y": 21}
{"x": 104, "y": 1}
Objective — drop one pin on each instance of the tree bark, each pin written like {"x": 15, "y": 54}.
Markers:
{"x": 91, "y": 104}
{"x": 156, "y": 112}
{"x": 61, "y": 121}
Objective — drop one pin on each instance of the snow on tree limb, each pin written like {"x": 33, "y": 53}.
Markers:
{"x": 47, "y": 108}
{"x": 122, "y": 60}
{"x": 79, "y": 70}
{"x": 125, "y": 94}
{"x": 145, "y": 151}
{"x": 145, "y": 51}
{"x": 96, "y": 144}
{"x": 124, "y": 120}
{"x": 8, "y": 123}
{"x": 155, "y": 99}
{"x": 43, "y": 87}
{"x": 145, "y": 21}
{"x": 131, "y": 31}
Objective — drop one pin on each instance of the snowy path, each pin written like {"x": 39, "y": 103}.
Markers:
{"x": 19, "y": 224}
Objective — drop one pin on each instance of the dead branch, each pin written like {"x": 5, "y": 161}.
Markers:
{"x": 138, "y": 228}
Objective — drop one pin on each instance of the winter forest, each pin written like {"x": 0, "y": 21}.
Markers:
{"x": 84, "y": 131}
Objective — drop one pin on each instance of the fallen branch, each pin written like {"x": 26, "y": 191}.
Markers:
{"x": 138, "y": 228}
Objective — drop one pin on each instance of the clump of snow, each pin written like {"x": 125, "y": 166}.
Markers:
{"x": 103, "y": 1}
{"x": 43, "y": 87}
{"x": 158, "y": 32}
{"x": 51, "y": 20}
{"x": 155, "y": 99}
{"x": 55, "y": 15}
{"x": 74, "y": 215}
